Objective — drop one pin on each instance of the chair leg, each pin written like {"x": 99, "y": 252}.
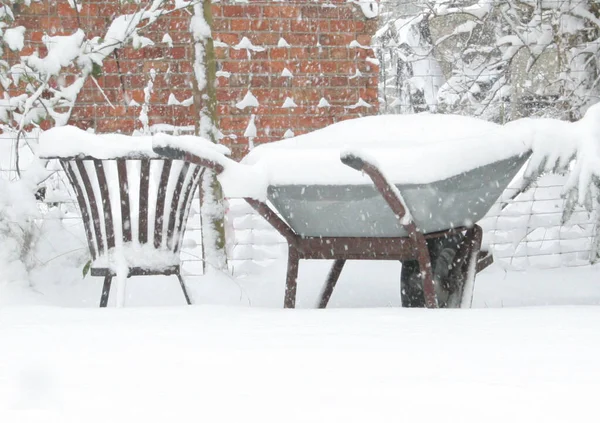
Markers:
{"x": 332, "y": 278}
{"x": 184, "y": 289}
{"x": 105, "y": 291}
{"x": 291, "y": 279}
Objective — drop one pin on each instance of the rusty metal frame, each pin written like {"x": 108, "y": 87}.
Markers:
{"x": 340, "y": 249}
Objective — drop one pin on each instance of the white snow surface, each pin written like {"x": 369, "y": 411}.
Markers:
{"x": 323, "y": 103}
{"x": 288, "y": 103}
{"x": 237, "y": 180}
{"x": 370, "y": 8}
{"x": 423, "y": 148}
{"x": 245, "y": 43}
{"x": 410, "y": 148}
{"x": 70, "y": 141}
{"x": 186, "y": 364}
{"x": 282, "y": 43}
{"x": 14, "y": 38}
{"x": 133, "y": 254}
{"x": 249, "y": 100}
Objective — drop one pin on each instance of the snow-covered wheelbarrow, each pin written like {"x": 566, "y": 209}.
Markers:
{"x": 407, "y": 188}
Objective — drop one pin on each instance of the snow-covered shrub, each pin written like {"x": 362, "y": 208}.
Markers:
{"x": 18, "y": 230}
{"x": 40, "y": 89}
{"x": 500, "y": 60}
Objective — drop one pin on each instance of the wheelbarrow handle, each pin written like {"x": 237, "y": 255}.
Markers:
{"x": 353, "y": 161}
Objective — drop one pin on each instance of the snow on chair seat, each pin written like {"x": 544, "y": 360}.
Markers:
{"x": 134, "y": 203}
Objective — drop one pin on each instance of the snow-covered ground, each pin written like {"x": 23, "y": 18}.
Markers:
{"x": 364, "y": 359}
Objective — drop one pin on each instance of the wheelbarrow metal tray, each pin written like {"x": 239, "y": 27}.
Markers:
{"x": 360, "y": 211}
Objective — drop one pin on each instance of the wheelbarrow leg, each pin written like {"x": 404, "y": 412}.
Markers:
{"x": 411, "y": 285}
{"x": 291, "y": 282}
{"x": 332, "y": 278}
{"x": 105, "y": 291}
{"x": 464, "y": 269}
{"x": 474, "y": 235}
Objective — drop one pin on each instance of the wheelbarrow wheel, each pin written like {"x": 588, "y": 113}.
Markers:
{"x": 411, "y": 285}
{"x": 442, "y": 252}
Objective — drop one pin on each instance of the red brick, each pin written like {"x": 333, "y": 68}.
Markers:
{"x": 63, "y": 9}
{"x": 259, "y": 24}
{"x": 335, "y": 39}
{"x": 216, "y": 10}
{"x": 302, "y": 39}
{"x": 364, "y": 39}
{"x": 280, "y": 25}
{"x": 229, "y": 38}
{"x": 318, "y": 71}
{"x": 280, "y": 10}
{"x": 237, "y": 11}
{"x": 239, "y": 24}
{"x": 277, "y": 53}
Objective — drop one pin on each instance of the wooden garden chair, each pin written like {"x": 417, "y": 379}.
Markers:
{"x": 135, "y": 209}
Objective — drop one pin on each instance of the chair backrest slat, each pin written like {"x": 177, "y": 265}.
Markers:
{"x": 106, "y": 205}
{"x": 124, "y": 199}
{"x": 160, "y": 204}
{"x": 144, "y": 182}
{"x": 182, "y": 217}
{"x": 175, "y": 204}
{"x": 92, "y": 201}
{"x": 85, "y": 214}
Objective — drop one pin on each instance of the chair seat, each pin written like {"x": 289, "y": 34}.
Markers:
{"x": 136, "y": 271}
{"x": 139, "y": 259}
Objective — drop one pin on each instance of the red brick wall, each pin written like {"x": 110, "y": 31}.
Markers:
{"x": 126, "y": 73}
{"x": 319, "y": 56}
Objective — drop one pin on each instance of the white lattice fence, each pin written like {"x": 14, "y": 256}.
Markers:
{"x": 529, "y": 233}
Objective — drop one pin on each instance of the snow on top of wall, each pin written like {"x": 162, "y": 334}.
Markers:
{"x": 357, "y": 74}
{"x": 288, "y": 103}
{"x": 249, "y": 100}
{"x": 188, "y": 101}
{"x": 282, "y": 43}
{"x": 172, "y": 101}
{"x": 167, "y": 40}
{"x": 359, "y": 103}
{"x": 356, "y": 44}
{"x": 247, "y": 44}
{"x": 286, "y": 73}
{"x": 250, "y": 131}
{"x": 323, "y": 103}
{"x": 288, "y": 134}
{"x": 219, "y": 43}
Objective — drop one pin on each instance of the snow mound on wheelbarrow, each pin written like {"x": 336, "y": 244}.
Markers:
{"x": 419, "y": 148}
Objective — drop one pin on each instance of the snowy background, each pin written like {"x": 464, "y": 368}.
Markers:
{"x": 527, "y": 352}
